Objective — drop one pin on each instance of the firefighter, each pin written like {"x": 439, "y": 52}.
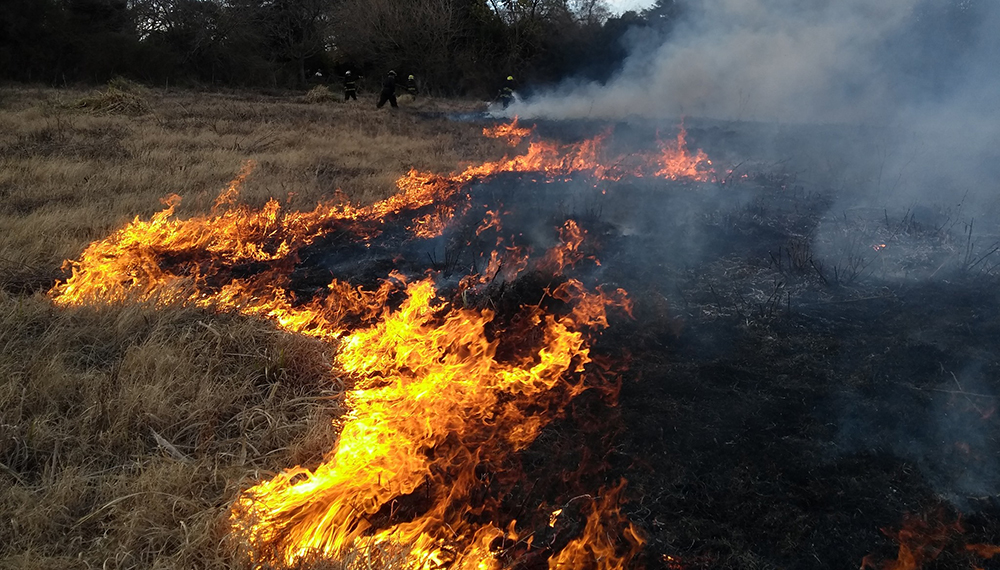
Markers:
{"x": 388, "y": 91}
{"x": 411, "y": 87}
{"x": 350, "y": 86}
{"x": 506, "y": 95}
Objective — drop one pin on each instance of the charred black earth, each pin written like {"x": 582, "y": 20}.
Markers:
{"x": 803, "y": 372}
{"x": 802, "y": 369}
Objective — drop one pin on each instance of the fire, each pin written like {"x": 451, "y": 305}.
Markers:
{"x": 922, "y": 539}
{"x": 128, "y": 265}
{"x": 672, "y": 161}
{"x": 432, "y": 401}
{"x": 569, "y": 253}
{"x": 595, "y": 548}
{"x": 676, "y": 162}
{"x": 446, "y": 391}
{"x": 510, "y": 131}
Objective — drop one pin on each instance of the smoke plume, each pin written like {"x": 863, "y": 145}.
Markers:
{"x": 788, "y": 60}
{"x": 890, "y": 107}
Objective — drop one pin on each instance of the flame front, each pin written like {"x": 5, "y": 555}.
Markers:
{"x": 432, "y": 404}
{"x": 437, "y": 413}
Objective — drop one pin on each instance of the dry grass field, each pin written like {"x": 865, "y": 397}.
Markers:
{"x": 126, "y": 432}
{"x": 800, "y": 384}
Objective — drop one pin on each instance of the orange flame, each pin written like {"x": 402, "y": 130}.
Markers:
{"x": 594, "y": 548}
{"x": 568, "y": 254}
{"x": 432, "y": 402}
{"x": 510, "y": 131}
{"x": 922, "y": 539}
{"x": 673, "y": 161}
{"x": 676, "y": 162}
{"x": 127, "y": 264}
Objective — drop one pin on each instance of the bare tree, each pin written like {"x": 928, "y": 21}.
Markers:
{"x": 527, "y": 22}
{"x": 422, "y": 36}
{"x": 299, "y": 29}
{"x": 591, "y": 12}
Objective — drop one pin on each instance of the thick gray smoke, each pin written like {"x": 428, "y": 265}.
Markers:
{"x": 920, "y": 76}
{"x": 796, "y": 60}
{"x": 889, "y": 107}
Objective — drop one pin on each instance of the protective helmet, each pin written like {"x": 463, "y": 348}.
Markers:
{"x": 392, "y": 73}
{"x": 510, "y": 78}
{"x": 347, "y": 72}
{"x": 410, "y": 77}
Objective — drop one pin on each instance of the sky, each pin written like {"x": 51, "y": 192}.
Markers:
{"x": 619, "y": 6}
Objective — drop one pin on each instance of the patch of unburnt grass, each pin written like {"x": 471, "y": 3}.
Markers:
{"x": 128, "y": 430}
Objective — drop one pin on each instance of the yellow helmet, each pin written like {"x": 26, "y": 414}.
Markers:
{"x": 410, "y": 77}
{"x": 510, "y": 78}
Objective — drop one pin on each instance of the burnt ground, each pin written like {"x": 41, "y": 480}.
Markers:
{"x": 803, "y": 368}
{"x": 773, "y": 419}
{"x": 801, "y": 373}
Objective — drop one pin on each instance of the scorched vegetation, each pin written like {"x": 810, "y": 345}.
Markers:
{"x": 305, "y": 334}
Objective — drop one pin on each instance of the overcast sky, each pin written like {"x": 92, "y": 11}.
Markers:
{"x": 619, "y": 6}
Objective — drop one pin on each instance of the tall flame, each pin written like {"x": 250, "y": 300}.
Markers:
{"x": 432, "y": 404}
{"x": 445, "y": 394}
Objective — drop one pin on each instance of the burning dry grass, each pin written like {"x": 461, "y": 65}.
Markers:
{"x": 125, "y": 432}
{"x": 67, "y": 178}
{"x": 128, "y": 432}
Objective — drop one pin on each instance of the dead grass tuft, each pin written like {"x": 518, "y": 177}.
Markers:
{"x": 319, "y": 94}
{"x": 121, "y": 97}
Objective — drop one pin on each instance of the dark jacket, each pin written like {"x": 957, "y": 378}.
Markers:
{"x": 389, "y": 85}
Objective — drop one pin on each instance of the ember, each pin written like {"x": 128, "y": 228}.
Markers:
{"x": 923, "y": 539}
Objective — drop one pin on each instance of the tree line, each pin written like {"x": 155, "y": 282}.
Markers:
{"x": 454, "y": 47}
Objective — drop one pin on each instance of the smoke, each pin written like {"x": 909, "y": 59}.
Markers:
{"x": 916, "y": 79}
{"x": 794, "y": 60}
{"x": 918, "y": 75}
{"x": 943, "y": 430}
{"x": 891, "y": 108}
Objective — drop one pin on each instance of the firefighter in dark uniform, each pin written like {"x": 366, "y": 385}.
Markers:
{"x": 350, "y": 86}
{"x": 388, "y": 91}
{"x": 506, "y": 95}
{"x": 411, "y": 87}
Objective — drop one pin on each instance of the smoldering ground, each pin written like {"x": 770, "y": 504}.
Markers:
{"x": 888, "y": 110}
{"x": 916, "y": 70}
